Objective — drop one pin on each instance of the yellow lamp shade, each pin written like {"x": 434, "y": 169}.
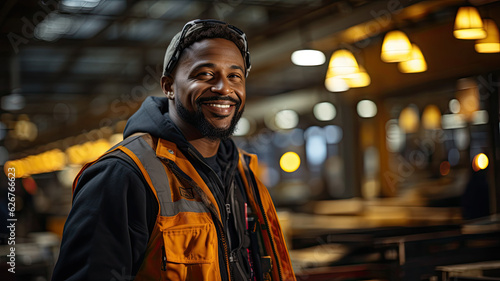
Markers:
{"x": 490, "y": 44}
{"x": 358, "y": 79}
{"x": 468, "y": 24}
{"x": 431, "y": 117}
{"x": 335, "y": 84}
{"x": 409, "y": 120}
{"x": 396, "y": 47}
{"x": 415, "y": 64}
{"x": 343, "y": 62}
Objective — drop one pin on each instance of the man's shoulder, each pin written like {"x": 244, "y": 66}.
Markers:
{"x": 136, "y": 143}
{"x": 115, "y": 159}
{"x": 129, "y": 140}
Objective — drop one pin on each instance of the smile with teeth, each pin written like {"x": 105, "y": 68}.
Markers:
{"x": 219, "y": 105}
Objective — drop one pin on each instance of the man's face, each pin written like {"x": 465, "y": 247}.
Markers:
{"x": 209, "y": 87}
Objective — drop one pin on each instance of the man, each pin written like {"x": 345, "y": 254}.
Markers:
{"x": 176, "y": 200}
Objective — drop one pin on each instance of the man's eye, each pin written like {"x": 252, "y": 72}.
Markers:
{"x": 235, "y": 76}
{"x": 204, "y": 74}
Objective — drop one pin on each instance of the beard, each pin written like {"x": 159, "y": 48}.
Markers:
{"x": 198, "y": 120}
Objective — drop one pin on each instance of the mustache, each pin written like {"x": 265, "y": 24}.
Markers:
{"x": 217, "y": 98}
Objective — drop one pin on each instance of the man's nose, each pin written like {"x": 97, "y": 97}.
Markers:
{"x": 222, "y": 87}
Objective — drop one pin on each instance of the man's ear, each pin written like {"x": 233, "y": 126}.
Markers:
{"x": 166, "y": 84}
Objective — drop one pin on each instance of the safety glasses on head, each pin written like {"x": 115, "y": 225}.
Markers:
{"x": 174, "y": 51}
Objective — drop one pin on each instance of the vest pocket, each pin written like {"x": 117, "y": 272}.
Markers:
{"x": 190, "y": 252}
{"x": 189, "y": 244}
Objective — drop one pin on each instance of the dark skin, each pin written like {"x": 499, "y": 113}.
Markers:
{"x": 207, "y": 69}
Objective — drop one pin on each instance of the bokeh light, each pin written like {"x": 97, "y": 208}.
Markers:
{"x": 480, "y": 162}
{"x": 454, "y": 106}
{"x": 243, "y": 127}
{"x": 444, "y": 168}
{"x": 316, "y": 151}
{"x": 333, "y": 134}
{"x": 308, "y": 57}
{"x": 409, "y": 120}
{"x": 286, "y": 119}
{"x": 366, "y": 109}
{"x": 431, "y": 117}
{"x": 290, "y": 162}
{"x": 324, "y": 111}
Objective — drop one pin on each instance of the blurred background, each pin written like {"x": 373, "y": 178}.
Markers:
{"x": 376, "y": 123}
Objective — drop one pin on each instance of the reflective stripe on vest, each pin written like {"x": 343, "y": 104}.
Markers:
{"x": 155, "y": 171}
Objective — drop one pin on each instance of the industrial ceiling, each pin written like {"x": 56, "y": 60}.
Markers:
{"x": 72, "y": 66}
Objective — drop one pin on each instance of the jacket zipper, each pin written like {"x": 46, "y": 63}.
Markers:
{"x": 224, "y": 231}
{"x": 268, "y": 230}
{"x": 231, "y": 257}
{"x": 163, "y": 259}
{"x": 214, "y": 213}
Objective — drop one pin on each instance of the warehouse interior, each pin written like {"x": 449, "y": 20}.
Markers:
{"x": 397, "y": 178}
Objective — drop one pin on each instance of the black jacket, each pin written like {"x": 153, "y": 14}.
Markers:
{"x": 114, "y": 211}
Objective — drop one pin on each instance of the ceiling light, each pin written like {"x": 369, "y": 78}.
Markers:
{"x": 395, "y": 137}
{"x": 366, "y": 109}
{"x": 324, "y": 111}
{"x": 342, "y": 62}
{"x": 468, "y": 24}
{"x": 396, "y": 47}
{"x": 409, "y": 120}
{"x": 79, "y": 4}
{"x": 490, "y": 44}
{"x": 431, "y": 117}
{"x": 358, "y": 79}
{"x": 453, "y": 121}
{"x": 480, "y": 117}
{"x": 335, "y": 84}
{"x": 286, "y": 119}
{"x": 454, "y": 106}
{"x": 308, "y": 57}
{"x": 415, "y": 64}
{"x": 53, "y": 27}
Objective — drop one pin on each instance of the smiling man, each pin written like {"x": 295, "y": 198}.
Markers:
{"x": 210, "y": 87}
{"x": 177, "y": 200}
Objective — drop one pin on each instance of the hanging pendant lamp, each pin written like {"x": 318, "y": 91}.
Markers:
{"x": 431, "y": 117}
{"x": 468, "y": 24}
{"x": 409, "y": 120}
{"x": 490, "y": 44}
{"x": 359, "y": 79}
{"x": 396, "y": 47}
{"x": 415, "y": 64}
{"x": 342, "y": 62}
{"x": 335, "y": 83}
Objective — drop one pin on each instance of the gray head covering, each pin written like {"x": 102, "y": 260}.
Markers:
{"x": 173, "y": 52}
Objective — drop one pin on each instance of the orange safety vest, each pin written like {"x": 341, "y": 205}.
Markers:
{"x": 183, "y": 244}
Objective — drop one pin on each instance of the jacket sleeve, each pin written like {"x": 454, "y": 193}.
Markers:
{"x": 107, "y": 230}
